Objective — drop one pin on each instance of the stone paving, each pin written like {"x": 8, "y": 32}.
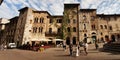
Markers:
{"x": 57, "y": 54}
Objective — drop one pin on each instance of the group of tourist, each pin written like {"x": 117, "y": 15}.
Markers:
{"x": 75, "y": 49}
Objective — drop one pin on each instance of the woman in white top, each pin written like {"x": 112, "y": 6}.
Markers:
{"x": 85, "y": 48}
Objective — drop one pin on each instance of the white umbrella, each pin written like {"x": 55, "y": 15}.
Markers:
{"x": 58, "y": 40}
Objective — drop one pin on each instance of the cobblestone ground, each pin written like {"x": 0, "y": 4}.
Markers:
{"x": 57, "y": 54}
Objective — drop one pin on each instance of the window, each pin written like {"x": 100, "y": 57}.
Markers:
{"x": 105, "y": 26}
{"x": 74, "y": 29}
{"x": 101, "y": 26}
{"x": 34, "y": 29}
{"x": 101, "y": 33}
{"x": 84, "y": 17}
{"x": 74, "y": 21}
{"x": 74, "y": 40}
{"x": 59, "y": 30}
{"x": 110, "y": 27}
{"x": 92, "y": 17}
{"x": 50, "y": 21}
{"x": 50, "y": 30}
{"x": 84, "y": 26}
{"x": 93, "y": 27}
{"x": 41, "y": 20}
{"x": 35, "y": 20}
{"x": 30, "y": 21}
{"x": 59, "y": 20}
{"x": 40, "y": 29}
{"x": 68, "y": 40}
{"x": 68, "y": 20}
{"x": 68, "y": 29}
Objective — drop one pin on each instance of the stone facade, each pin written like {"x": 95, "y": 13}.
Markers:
{"x": 3, "y": 24}
{"x": 71, "y": 21}
{"x": 74, "y": 26}
{"x": 35, "y": 26}
{"x": 88, "y": 24}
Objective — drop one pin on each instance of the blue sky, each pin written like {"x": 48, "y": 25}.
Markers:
{"x": 9, "y": 8}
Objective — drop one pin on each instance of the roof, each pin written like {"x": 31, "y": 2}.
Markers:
{"x": 108, "y": 14}
{"x": 87, "y": 9}
{"x": 23, "y": 8}
{"x": 71, "y": 3}
{"x": 61, "y": 16}
{"x": 42, "y": 12}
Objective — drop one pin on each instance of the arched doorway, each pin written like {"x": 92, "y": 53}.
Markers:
{"x": 68, "y": 40}
{"x": 102, "y": 40}
{"x": 94, "y": 38}
{"x": 74, "y": 40}
{"x": 107, "y": 38}
{"x": 112, "y": 38}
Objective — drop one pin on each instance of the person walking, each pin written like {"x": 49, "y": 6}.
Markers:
{"x": 77, "y": 50}
{"x": 85, "y": 48}
{"x": 96, "y": 45}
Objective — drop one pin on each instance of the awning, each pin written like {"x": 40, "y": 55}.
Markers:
{"x": 40, "y": 40}
{"x": 58, "y": 40}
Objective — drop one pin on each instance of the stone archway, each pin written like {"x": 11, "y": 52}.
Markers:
{"x": 68, "y": 40}
{"x": 107, "y": 38}
{"x": 74, "y": 40}
{"x": 94, "y": 38}
{"x": 112, "y": 38}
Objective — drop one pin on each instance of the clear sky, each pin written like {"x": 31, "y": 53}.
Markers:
{"x": 9, "y": 8}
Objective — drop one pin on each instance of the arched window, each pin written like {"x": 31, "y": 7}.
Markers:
{"x": 101, "y": 26}
{"x": 105, "y": 26}
{"x": 50, "y": 30}
{"x": 93, "y": 27}
{"x": 41, "y": 20}
{"x": 50, "y": 21}
{"x": 110, "y": 27}
{"x": 84, "y": 26}
{"x": 68, "y": 40}
{"x": 74, "y": 40}
{"x": 68, "y": 29}
{"x": 68, "y": 20}
{"x": 74, "y": 29}
{"x": 59, "y": 30}
{"x": 34, "y": 29}
{"x": 35, "y": 20}
{"x": 40, "y": 29}
{"x": 84, "y": 17}
{"x": 74, "y": 21}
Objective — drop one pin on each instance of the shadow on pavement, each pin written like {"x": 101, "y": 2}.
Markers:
{"x": 58, "y": 50}
{"x": 62, "y": 55}
{"x": 108, "y": 51}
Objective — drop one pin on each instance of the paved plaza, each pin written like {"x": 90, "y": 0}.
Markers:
{"x": 57, "y": 54}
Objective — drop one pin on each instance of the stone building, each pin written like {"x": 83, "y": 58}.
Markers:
{"x": 35, "y": 26}
{"x": 70, "y": 23}
{"x": 3, "y": 23}
{"x": 74, "y": 26}
{"x": 102, "y": 28}
{"x": 10, "y": 30}
{"x": 94, "y": 27}
{"x": 114, "y": 27}
{"x": 88, "y": 25}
